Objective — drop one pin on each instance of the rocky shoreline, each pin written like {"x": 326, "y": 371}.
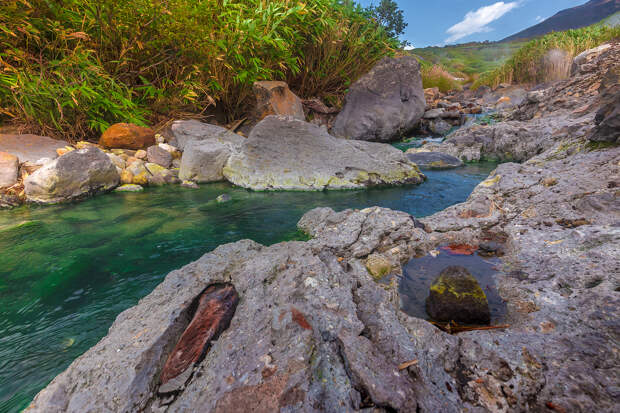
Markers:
{"x": 314, "y": 330}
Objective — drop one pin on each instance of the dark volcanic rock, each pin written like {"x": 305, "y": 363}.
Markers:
{"x": 216, "y": 308}
{"x": 384, "y": 104}
{"x": 456, "y": 296}
{"x": 434, "y": 160}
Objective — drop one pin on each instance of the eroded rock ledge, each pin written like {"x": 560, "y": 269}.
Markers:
{"x": 314, "y": 332}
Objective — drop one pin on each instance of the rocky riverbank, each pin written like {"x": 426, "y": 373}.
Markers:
{"x": 314, "y": 330}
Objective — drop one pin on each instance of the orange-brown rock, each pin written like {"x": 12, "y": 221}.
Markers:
{"x": 127, "y": 136}
{"x": 275, "y": 98}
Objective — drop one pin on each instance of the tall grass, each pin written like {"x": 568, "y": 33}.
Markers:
{"x": 437, "y": 76}
{"x": 71, "y": 68}
{"x": 538, "y": 60}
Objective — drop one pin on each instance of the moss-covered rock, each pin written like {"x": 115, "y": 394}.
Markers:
{"x": 378, "y": 266}
{"x": 456, "y": 296}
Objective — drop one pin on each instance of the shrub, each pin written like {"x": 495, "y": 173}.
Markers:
{"x": 71, "y": 68}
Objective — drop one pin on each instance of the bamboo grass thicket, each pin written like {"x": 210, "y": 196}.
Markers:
{"x": 71, "y": 68}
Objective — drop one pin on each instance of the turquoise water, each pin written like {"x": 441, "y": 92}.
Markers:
{"x": 67, "y": 271}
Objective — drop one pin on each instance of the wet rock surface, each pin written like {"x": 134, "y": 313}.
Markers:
{"x": 286, "y": 153}
{"x": 384, "y": 104}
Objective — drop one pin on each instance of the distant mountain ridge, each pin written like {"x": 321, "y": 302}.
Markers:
{"x": 589, "y": 13}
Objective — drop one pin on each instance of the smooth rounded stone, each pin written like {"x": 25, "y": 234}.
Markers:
{"x": 189, "y": 184}
{"x": 129, "y": 188}
{"x": 158, "y": 155}
{"x": 75, "y": 175}
{"x": 140, "y": 154}
{"x": 434, "y": 160}
{"x": 127, "y": 136}
{"x": 223, "y": 198}
{"x": 126, "y": 177}
{"x": 456, "y": 296}
{"x": 9, "y": 168}
{"x": 182, "y": 132}
{"x": 384, "y": 104}
{"x": 439, "y": 127}
{"x": 275, "y": 98}
{"x": 289, "y": 154}
{"x": 175, "y": 152}
{"x": 31, "y": 148}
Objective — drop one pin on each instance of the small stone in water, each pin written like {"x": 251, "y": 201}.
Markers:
{"x": 189, "y": 184}
{"x": 129, "y": 188}
{"x": 223, "y": 198}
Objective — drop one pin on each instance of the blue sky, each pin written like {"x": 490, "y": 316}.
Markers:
{"x": 440, "y": 22}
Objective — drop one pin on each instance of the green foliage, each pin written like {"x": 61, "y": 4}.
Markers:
{"x": 527, "y": 65}
{"x": 388, "y": 15}
{"x": 468, "y": 59}
{"x": 73, "y": 67}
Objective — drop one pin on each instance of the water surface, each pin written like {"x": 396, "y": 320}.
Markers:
{"x": 67, "y": 271}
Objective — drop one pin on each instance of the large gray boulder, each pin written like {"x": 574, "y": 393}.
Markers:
{"x": 384, "y": 104}
{"x": 182, "y": 132}
{"x": 286, "y": 153}
{"x": 204, "y": 160}
{"x": 76, "y": 174}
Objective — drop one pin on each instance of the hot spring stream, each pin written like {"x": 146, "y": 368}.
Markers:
{"x": 67, "y": 271}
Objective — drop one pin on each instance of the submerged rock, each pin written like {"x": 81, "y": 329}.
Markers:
{"x": 127, "y": 136}
{"x": 129, "y": 188}
{"x": 456, "y": 296}
{"x": 75, "y": 175}
{"x": 285, "y": 153}
{"x": 384, "y": 104}
{"x": 434, "y": 160}
{"x": 223, "y": 198}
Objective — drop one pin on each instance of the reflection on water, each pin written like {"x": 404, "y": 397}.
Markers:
{"x": 419, "y": 274}
{"x": 67, "y": 271}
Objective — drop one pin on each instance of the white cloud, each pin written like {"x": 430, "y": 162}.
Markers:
{"x": 540, "y": 19}
{"x": 409, "y": 47}
{"x": 477, "y": 21}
